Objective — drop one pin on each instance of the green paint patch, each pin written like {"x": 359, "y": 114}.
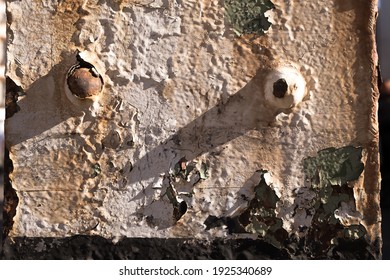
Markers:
{"x": 203, "y": 171}
{"x": 354, "y": 232}
{"x": 262, "y": 216}
{"x": 334, "y": 166}
{"x": 96, "y": 170}
{"x": 184, "y": 170}
{"x": 329, "y": 174}
{"x": 248, "y": 16}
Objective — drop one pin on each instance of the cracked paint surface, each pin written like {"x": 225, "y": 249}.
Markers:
{"x": 182, "y": 127}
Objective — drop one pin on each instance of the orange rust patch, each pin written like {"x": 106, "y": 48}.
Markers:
{"x": 83, "y": 83}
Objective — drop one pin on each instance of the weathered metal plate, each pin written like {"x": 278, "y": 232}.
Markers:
{"x": 212, "y": 123}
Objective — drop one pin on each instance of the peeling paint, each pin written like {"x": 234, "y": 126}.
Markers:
{"x": 334, "y": 209}
{"x": 258, "y": 217}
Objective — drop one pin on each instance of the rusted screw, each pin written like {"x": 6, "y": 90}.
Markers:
{"x": 280, "y": 88}
{"x": 84, "y": 82}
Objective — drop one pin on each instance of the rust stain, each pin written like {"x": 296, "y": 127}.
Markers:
{"x": 168, "y": 89}
{"x": 63, "y": 25}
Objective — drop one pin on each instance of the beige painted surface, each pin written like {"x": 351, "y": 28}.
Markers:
{"x": 178, "y": 83}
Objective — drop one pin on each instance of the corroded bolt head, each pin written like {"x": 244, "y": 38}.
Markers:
{"x": 280, "y": 88}
{"x": 85, "y": 82}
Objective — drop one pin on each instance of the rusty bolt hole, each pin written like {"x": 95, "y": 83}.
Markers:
{"x": 280, "y": 88}
{"x": 84, "y": 80}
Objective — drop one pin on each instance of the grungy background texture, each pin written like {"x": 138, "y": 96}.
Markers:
{"x": 187, "y": 141}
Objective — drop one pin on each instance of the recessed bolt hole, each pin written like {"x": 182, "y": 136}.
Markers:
{"x": 280, "y": 88}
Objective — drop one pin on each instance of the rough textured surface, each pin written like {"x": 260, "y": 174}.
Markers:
{"x": 184, "y": 141}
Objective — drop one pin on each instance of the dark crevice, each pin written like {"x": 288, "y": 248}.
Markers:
{"x": 179, "y": 210}
{"x": 13, "y": 92}
{"x": 95, "y": 247}
{"x": 83, "y": 247}
{"x": 11, "y": 200}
